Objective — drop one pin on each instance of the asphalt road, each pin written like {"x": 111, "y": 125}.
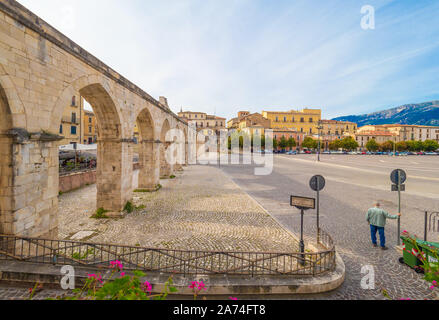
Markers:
{"x": 353, "y": 183}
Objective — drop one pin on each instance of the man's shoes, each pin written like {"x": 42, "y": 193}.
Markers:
{"x": 374, "y": 245}
{"x": 384, "y": 248}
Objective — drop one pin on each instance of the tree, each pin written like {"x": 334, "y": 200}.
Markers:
{"x": 387, "y": 146}
{"x": 401, "y": 146}
{"x": 275, "y": 144}
{"x": 335, "y": 145}
{"x": 372, "y": 145}
{"x": 349, "y": 144}
{"x": 309, "y": 143}
{"x": 291, "y": 143}
{"x": 410, "y": 145}
{"x": 418, "y": 146}
{"x": 283, "y": 143}
{"x": 430, "y": 145}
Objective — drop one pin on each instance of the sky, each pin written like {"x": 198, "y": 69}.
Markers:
{"x": 223, "y": 56}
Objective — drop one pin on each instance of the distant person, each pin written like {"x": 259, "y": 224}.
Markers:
{"x": 376, "y": 217}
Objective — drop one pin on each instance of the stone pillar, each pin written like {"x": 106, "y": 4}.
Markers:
{"x": 31, "y": 198}
{"x": 149, "y": 174}
{"x": 165, "y": 167}
{"x": 114, "y": 174}
{"x": 186, "y": 153}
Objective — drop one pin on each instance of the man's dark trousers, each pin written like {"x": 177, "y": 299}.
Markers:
{"x": 373, "y": 232}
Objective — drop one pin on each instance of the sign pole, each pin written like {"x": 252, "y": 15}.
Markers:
{"x": 318, "y": 211}
{"x": 302, "y": 244}
{"x": 399, "y": 208}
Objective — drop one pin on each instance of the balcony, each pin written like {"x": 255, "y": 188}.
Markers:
{"x": 68, "y": 119}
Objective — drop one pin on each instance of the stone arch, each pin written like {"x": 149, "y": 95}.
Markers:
{"x": 6, "y": 166}
{"x": 87, "y": 81}
{"x": 114, "y": 168}
{"x": 165, "y": 167}
{"x": 114, "y": 165}
{"x": 148, "y": 175}
{"x": 15, "y": 105}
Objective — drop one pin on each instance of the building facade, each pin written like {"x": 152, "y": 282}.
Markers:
{"x": 278, "y": 134}
{"x": 205, "y": 123}
{"x": 364, "y": 137}
{"x": 305, "y": 121}
{"x": 405, "y": 132}
{"x": 90, "y": 128}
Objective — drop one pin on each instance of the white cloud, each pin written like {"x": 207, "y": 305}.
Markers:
{"x": 211, "y": 55}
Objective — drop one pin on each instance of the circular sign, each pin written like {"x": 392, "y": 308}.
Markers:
{"x": 398, "y": 174}
{"x": 317, "y": 183}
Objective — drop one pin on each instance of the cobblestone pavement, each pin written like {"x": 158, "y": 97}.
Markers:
{"x": 201, "y": 209}
{"x": 21, "y": 293}
{"x": 344, "y": 203}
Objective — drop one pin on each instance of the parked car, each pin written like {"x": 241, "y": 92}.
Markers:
{"x": 431, "y": 154}
{"x": 420, "y": 153}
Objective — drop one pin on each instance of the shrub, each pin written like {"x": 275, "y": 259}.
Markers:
{"x": 100, "y": 214}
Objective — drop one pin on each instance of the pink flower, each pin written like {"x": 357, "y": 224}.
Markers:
{"x": 201, "y": 286}
{"x": 434, "y": 282}
{"x": 233, "y": 298}
{"x": 193, "y": 285}
{"x": 147, "y": 286}
{"x": 122, "y": 274}
{"x": 117, "y": 264}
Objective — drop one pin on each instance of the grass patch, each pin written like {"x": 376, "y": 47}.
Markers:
{"x": 157, "y": 188}
{"x": 172, "y": 177}
{"x": 100, "y": 214}
{"x": 129, "y": 207}
{"x": 78, "y": 256}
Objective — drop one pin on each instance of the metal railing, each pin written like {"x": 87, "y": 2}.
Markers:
{"x": 62, "y": 252}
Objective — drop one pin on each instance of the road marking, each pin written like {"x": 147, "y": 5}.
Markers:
{"x": 355, "y": 169}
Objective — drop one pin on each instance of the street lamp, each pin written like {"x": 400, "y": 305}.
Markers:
{"x": 319, "y": 127}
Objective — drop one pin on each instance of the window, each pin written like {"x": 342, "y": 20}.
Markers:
{"x": 310, "y": 130}
{"x": 277, "y": 119}
{"x": 310, "y": 120}
{"x": 60, "y": 128}
{"x": 285, "y": 119}
{"x": 73, "y": 117}
{"x": 89, "y": 119}
{"x": 302, "y": 119}
{"x": 73, "y": 101}
{"x": 196, "y": 116}
{"x": 73, "y": 130}
{"x": 89, "y": 129}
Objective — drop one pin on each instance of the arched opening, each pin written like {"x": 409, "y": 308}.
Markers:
{"x": 110, "y": 161}
{"x": 6, "y": 171}
{"x": 165, "y": 166}
{"x": 146, "y": 149}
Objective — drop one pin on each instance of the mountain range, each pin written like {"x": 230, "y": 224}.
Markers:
{"x": 426, "y": 113}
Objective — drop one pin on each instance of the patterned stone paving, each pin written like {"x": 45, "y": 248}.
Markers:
{"x": 201, "y": 209}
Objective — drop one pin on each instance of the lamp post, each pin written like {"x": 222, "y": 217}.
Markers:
{"x": 319, "y": 127}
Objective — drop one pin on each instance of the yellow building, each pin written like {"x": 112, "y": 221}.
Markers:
{"x": 337, "y": 128}
{"x": 77, "y": 124}
{"x": 205, "y": 123}
{"x": 89, "y": 128}
{"x": 70, "y": 127}
{"x": 304, "y": 121}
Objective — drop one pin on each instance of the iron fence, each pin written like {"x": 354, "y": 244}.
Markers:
{"x": 186, "y": 262}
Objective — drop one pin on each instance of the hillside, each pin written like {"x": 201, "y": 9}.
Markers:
{"x": 426, "y": 113}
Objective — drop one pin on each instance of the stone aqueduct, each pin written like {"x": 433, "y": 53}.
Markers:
{"x": 40, "y": 71}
